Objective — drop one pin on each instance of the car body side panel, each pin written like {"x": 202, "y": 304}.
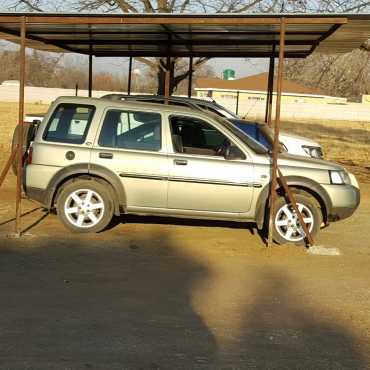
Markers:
{"x": 210, "y": 183}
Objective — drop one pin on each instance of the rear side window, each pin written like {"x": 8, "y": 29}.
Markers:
{"x": 131, "y": 130}
{"x": 69, "y": 123}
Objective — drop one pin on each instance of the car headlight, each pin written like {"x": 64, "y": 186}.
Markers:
{"x": 313, "y": 151}
{"x": 339, "y": 178}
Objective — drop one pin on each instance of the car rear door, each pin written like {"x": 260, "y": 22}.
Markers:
{"x": 131, "y": 144}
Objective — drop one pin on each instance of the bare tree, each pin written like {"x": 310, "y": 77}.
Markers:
{"x": 187, "y": 6}
{"x": 346, "y": 75}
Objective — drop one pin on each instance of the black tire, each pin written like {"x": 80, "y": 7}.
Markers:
{"x": 29, "y": 131}
{"x": 102, "y": 194}
{"x": 310, "y": 206}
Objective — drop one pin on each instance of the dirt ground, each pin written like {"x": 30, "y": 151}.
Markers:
{"x": 153, "y": 293}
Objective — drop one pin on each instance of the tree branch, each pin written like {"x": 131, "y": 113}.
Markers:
{"x": 126, "y": 7}
{"x": 31, "y": 5}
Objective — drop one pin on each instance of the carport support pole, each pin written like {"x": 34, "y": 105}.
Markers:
{"x": 22, "y": 73}
{"x": 167, "y": 79}
{"x": 129, "y": 76}
{"x": 190, "y": 80}
{"x": 90, "y": 71}
{"x": 270, "y": 87}
{"x": 275, "y": 148}
{"x": 237, "y": 103}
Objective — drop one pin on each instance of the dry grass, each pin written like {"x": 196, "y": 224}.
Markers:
{"x": 347, "y": 143}
{"x": 9, "y": 119}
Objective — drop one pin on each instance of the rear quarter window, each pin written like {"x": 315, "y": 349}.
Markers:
{"x": 69, "y": 123}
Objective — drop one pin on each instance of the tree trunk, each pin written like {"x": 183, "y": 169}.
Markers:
{"x": 161, "y": 78}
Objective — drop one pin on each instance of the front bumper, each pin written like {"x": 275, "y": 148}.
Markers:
{"x": 345, "y": 200}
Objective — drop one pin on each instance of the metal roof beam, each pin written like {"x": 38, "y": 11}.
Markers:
{"x": 166, "y": 20}
{"x": 150, "y": 42}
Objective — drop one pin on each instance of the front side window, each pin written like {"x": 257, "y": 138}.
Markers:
{"x": 131, "y": 130}
{"x": 194, "y": 136}
{"x": 69, "y": 123}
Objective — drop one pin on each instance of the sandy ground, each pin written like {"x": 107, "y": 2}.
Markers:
{"x": 154, "y": 293}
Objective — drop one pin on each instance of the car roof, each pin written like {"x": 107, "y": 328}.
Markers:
{"x": 130, "y": 104}
{"x": 160, "y": 97}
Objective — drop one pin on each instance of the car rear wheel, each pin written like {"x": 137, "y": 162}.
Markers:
{"x": 85, "y": 206}
{"x": 287, "y": 228}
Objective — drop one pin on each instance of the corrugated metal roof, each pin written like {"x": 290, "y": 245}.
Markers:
{"x": 226, "y": 35}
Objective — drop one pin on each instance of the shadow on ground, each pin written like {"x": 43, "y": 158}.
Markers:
{"x": 78, "y": 303}
{"x": 281, "y": 331}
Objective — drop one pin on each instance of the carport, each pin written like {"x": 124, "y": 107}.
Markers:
{"x": 172, "y": 35}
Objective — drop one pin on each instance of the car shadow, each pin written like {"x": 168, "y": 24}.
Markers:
{"x": 160, "y": 220}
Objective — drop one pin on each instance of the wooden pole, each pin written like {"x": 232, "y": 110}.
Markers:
{"x": 275, "y": 149}
{"x": 129, "y": 76}
{"x": 190, "y": 80}
{"x": 22, "y": 75}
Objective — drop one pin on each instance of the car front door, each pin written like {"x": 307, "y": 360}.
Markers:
{"x": 200, "y": 178}
{"x": 131, "y": 144}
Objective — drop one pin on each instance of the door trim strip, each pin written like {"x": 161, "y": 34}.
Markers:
{"x": 143, "y": 176}
{"x": 189, "y": 180}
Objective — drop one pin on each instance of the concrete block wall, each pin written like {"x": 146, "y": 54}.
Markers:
{"x": 303, "y": 111}
{"x": 41, "y": 95}
{"x": 253, "y": 109}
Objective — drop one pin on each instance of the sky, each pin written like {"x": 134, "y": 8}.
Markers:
{"x": 242, "y": 67}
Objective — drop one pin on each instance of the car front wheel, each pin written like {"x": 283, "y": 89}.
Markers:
{"x": 287, "y": 228}
{"x": 85, "y": 206}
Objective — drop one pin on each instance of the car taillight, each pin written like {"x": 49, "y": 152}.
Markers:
{"x": 29, "y": 157}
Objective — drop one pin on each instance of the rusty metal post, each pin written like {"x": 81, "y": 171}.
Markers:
{"x": 237, "y": 102}
{"x": 90, "y": 71}
{"x": 270, "y": 87}
{"x": 167, "y": 80}
{"x": 275, "y": 148}
{"x": 129, "y": 77}
{"x": 290, "y": 195}
{"x": 8, "y": 164}
{"x": 22, "y": 76}
{"x": 190, "y": 80}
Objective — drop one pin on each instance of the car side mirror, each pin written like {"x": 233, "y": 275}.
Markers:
{"x": 232, "y": 153}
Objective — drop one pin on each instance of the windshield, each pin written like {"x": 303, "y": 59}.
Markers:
{"x": 258, "y": 132}
{"x": 245, "y": 138}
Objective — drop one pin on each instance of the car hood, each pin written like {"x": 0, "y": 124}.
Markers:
{"x": 283, "y": 134}
{"x": 297, "y": 138}
{"x": 286, "y": 159}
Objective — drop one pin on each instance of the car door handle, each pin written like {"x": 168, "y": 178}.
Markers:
{"x": 180, "y": 162}
{"x": 106, "y": 155}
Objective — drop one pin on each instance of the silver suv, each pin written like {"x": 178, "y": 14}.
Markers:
{"x": 92, "y": 159}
